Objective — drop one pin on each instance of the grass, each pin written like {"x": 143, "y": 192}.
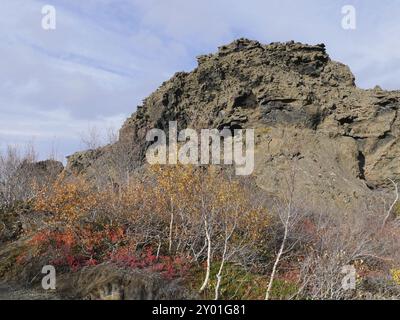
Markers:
{"x": 237, "y": 283}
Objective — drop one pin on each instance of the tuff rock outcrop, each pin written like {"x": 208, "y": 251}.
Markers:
{"x": 306, "y": 109}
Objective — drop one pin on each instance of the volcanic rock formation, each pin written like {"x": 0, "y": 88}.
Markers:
{"x": 306, "y": 109}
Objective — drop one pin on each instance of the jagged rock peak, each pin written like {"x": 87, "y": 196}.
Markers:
{"x": 346, "y": 138}
{"x": 307, "y": 60}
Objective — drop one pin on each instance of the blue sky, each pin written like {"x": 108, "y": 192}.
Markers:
{"x": 105, "y": 56}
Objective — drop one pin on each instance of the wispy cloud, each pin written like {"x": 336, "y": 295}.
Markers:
{"x": 107, "y": 55}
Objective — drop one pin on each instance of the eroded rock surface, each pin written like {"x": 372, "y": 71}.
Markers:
{"x": 306, "y": 110}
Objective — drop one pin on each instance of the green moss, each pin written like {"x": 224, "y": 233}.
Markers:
{"x": 236, "y": 284}
{"x": 396, "y": 209}
{"x": 283, "y": 289}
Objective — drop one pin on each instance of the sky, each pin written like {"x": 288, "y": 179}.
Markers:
{"x": 106, "y": 56}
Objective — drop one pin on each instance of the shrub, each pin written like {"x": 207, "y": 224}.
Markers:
{"x": 395, "y": 275}
{"x": 67, "y": 201}
{"x": 151, "y": 223}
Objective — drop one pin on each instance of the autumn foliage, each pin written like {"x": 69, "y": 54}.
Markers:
{"x": 154, "y": 223}
{"x": 207, "y": 228}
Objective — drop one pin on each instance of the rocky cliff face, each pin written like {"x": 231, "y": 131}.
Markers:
{"x": 306, "y": 109}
